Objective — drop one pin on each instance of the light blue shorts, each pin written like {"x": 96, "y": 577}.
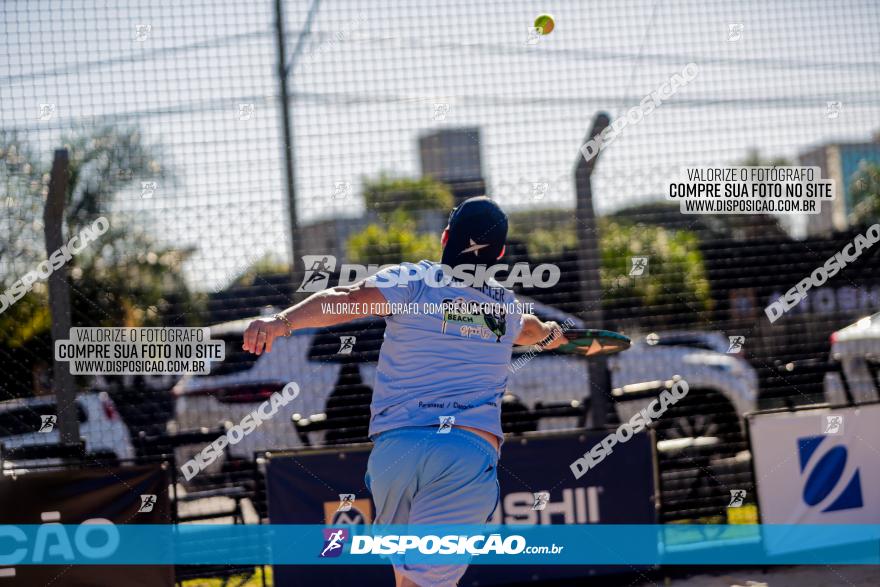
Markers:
{"x": 417, "y": 476}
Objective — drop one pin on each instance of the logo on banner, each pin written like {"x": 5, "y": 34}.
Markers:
{"x": 827, "y": 475}
{"x": 334, "y": 538}
{"x": 348, "y": 511}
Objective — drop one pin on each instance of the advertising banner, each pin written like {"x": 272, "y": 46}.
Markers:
{"x": 65, "y": 516}
{"x": 817, "y": 467}
{"x": 308, "y": 488}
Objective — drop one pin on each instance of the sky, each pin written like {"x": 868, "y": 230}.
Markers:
{"x": 367, "y": 81}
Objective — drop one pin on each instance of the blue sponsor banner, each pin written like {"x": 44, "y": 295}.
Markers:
{"x": 306, "y": 487}
{"x": 575, "y": 544}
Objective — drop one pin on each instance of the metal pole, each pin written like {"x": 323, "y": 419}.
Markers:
{"x": 284, "y": 69}
{"x": 59, "y": 298}
{"x": 589, "y": 263}
{"x": 287, "y": 133}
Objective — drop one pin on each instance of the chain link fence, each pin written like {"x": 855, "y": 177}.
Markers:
{"x": 243, "y": 154}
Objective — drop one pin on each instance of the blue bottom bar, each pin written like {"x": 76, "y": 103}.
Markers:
{"x": 59, "y": 544}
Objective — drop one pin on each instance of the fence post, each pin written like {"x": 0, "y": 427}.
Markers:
{"x": 589, "y": 263}
{"x": 287, "y": 134}
{"x": 59, "y": 298}
{"x": 285, "y": 66}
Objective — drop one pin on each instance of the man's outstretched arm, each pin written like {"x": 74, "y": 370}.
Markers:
{"x": 354, "y": 301}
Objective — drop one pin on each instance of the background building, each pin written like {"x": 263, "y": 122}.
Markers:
{"x": 453, "y": 157}
{"x": 840, "y": 162}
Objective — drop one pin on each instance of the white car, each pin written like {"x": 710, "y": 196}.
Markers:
{"x": 243, "y": 381}
{"x": 722, "y": 387}
{"x": 33, "y": 421}
{"x": 694, "y": 339}
{"x": 856, "y": 349}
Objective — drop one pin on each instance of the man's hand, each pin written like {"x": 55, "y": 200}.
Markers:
{"x": 554, "y": 337}
{"x": 547, "y": 335}
{"x": 262, "y": 333}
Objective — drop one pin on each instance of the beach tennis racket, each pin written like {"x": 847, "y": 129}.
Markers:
{"x": 593, "y": 343}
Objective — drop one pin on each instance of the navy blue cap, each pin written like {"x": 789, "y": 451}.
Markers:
{"x": 477, "y": 233}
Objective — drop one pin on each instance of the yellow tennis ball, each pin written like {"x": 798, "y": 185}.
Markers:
{"x": 545, "y": 23}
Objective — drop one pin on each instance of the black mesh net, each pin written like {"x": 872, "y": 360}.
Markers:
{"x": 241, "y": 161}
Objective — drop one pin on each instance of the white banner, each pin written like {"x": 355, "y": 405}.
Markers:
{"x": 818, "y": 466}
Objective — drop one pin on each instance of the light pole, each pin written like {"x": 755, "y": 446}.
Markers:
{"x": 284, "y": 69}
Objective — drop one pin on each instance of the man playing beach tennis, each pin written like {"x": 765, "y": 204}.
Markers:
{"x": 436, "y": 409}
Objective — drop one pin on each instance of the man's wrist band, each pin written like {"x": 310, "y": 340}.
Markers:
{"x": 286, "y": 321}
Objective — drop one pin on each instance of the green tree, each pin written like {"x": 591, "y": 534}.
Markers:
{"x": 397, "y": 201}
{"x": 124, "y": 278}
{"x": 265, "y": 265}
{"x": 387, "y": 195}
{"x": 398, "y": 241}
{"x": 709, "y": 226}
{"x": 544, "y": 231}
{"x": 866, "y": 194}
{"x": 24, "y": 320}
{"x": 675, "y": 282}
